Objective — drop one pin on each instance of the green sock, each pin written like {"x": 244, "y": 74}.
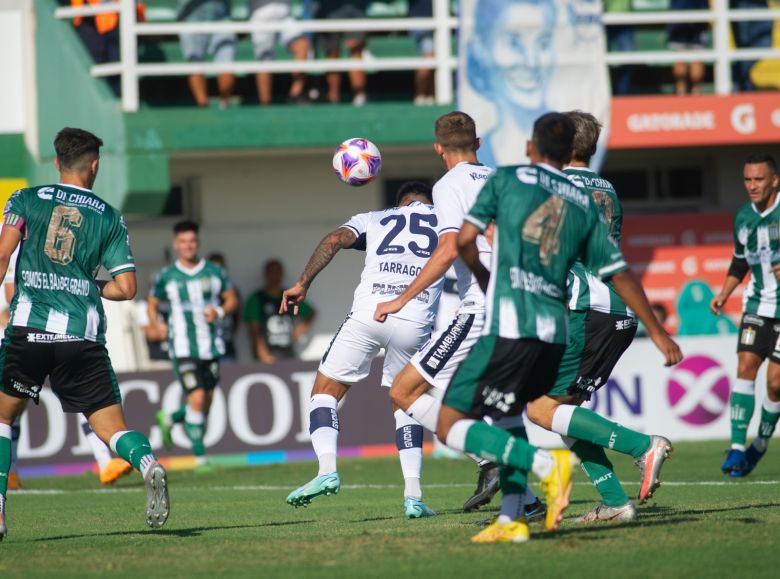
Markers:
{"x": 134, "y": 447}
{"x": 598, "y": 469}
{"x": 195, "y": 434}
{"x": 514, "y": 481}
{"x": 497, "y": 445}
{"x": 742, "y": 406}
{"x": 766, "y": 428}
{"x": 588, "y": 426}
{"x": 5, "y": 463}
{"x": 178, "y": 416}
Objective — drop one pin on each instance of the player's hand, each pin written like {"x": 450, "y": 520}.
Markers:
{"x": 717, "y": 303}
{"x": 384, "y": 309}
{"x": 668, "y": 348}
{"x": 776, "y": 271}
{"x": 292, "y": 297}
{"x": 210, "y": 313}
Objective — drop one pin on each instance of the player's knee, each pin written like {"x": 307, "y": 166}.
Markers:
{"x": 197, "y": 400}
{"x": 747, "y": 366}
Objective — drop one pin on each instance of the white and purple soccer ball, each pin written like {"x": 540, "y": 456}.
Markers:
{"x": 357, "y": 162}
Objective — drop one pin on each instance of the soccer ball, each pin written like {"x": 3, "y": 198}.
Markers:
{"x": 357, "y": 162}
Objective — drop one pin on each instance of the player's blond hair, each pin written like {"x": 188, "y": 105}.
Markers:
{"x": 456, "y": 131}
{"x": 587, "y": 130}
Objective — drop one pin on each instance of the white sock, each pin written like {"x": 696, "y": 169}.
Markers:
{"x": 511, "y": 508}
{"x": 543, "y": 463}
{"x": 324, "y": 430}
{"x": 99, "y": 449}
{"x": 743, "y": 386}
{"x": 562, "y": 419}
{"x": 194, "y": 417}
{"x": 425, "y": 410}
{"x": 408, "y": 440}
{"x": 146, "y": 463}
{"x": 456, "y": 438}
{"x": 15, "y": 432}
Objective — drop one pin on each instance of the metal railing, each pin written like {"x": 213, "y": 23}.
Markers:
{"x": 443, "y": 63}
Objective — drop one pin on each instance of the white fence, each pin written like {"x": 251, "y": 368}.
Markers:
{"x": 442, "y": 23}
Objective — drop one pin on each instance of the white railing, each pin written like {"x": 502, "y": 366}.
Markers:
{"x": 442, "y": 24}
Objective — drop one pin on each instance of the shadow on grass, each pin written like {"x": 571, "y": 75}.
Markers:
{"x": 179, "y": 533}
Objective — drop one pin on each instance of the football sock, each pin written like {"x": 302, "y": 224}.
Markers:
{"x": 599, "y": 471}
{"x": 16, "y": 430}
{"x": 408, "y": 440}
{"x": 586, "y": 425}
{"x": 134, "y": 447}
{"x": 497, "y": 445}
{"x": 770, "y": 412}
{"x": 324, "y": 430}
{"x": 5, "y": 457}
{"x": 743, "y": 403}
{"x": 99, "y": 449}
{"x": 179, "y": 415}
{"x": 195, "y": 427}
{"x": 425, "y": 410}
{"x": 529, "y": 497}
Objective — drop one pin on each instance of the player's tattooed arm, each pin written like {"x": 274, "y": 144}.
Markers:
{"x": 331, "y": 244}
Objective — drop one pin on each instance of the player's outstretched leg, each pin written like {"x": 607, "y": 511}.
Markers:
{"x": 166, "y": 421}
{"x": 134, "y": 447}
{"x": 510, "y": 526}
{"x": 770, "y": 413}
{"x": 324, "y": 430}
{"x": 408, "y": 440}
{"x": 743, "y": 403}
{"x": 614, "y": 505}
{"x": 110, "y": 469}
{"x": 14, "y": 482}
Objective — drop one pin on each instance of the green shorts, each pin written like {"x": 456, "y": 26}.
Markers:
{"x": 501, "y": 375}
{"x": 596, "y": 343}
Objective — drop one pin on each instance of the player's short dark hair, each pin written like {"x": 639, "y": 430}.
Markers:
{"x": 417, "y": 188}
{"x": 553, "y": 137}
{"x": 587, "y": 129}
{"x": 76, "y": 148}
{"x": 757, "y": 158}
{"x": 456, "y": 131}
{"x": 273, "y": 262}
{"x": 186, "y": 226}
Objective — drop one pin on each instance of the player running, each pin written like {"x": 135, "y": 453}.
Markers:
{"x": 757, "y": 250}
{"x": 57, "y": 325}
{"x": 199, "y": 294}
{"x": 398, "y": 242}
{"x": 601, "y": 328}
{"x": 543, "y": 223}
{"x": 419, "y": 387}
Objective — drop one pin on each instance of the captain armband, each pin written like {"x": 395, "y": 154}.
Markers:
{"x": 738, "y": 268}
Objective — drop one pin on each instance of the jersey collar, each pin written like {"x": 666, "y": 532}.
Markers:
{"x": 768, "y": 210}
{"x": 552, "y": 169}
{"x": 74, "y": 187}
{"x": 191, "y": 270}
{"x": 573, "y": 168}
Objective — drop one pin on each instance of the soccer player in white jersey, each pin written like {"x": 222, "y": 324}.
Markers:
{"x": 398, "y": 242}
{"x": 418, "y": 388}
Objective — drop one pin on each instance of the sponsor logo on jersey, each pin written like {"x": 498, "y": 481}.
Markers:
{"x": 527, "y": 175}
{"x": 532, "y": 283}
{"x": 479, "y": 176}
{"x": 41, "y": 338}
{"x": 46, "y": 193}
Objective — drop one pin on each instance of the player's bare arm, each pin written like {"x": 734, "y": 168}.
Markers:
{"x": 737, "y": 271}
{"x": 122, "y": 288}
{"x": 469, "y": 253}
{"x": 628, "y": 288}
{"x": 9, "y": 239}
{"x": 331, "y": 244}
{"x": 442, "y": 258}
{"x": 228, "y": 306}
{"x": 152, "y": 308}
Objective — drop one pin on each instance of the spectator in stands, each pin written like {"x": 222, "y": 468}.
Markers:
{"x": 688, "y": 36}
{"x": 296, "y": 42}
{"x": 423, "y": 78}
{"x": 273, "y": 336}
{"x": 355, "y": 42}
{"x": 749, "y": 34}
{"x": 100, "y": 34}
{"x": 230, "y": 322}
{"x": 621, "y": 39}
{"x": 197, "y": 47}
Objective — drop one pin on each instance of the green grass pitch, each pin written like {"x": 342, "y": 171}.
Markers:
{"x": 235, "y": 522}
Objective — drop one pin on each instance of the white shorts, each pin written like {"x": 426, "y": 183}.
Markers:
{"x": 359, "y": 339}
{"x": 263, "y": 42}
{"x": 440, "y": 357}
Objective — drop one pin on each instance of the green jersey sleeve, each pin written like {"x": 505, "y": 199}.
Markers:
{"x": 118, "y": 256}
{"x": 739, "y": 246}
{"x": 601, "y": 253}
{"x": 485, "y": 207}
{"x": 14, "y": 212}
{"x": 158, "y": 288}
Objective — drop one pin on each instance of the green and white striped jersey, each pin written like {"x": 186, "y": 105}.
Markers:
{"x": 68, "y": 233}
{"x": 585, "y": 290}
{"x": 188, "y": 292}
{"x": 544, "y": 223}
{"x": 757, "y": 239}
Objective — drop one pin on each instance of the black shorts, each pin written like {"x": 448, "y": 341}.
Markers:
{"x": 79, "y": 371}
{"x": 501, "y": 375}
{"x": 596, "y": 343}
{"x": 193, "y": 374}
{"x": 761, "y": 336}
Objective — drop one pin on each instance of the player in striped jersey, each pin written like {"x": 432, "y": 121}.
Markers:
{"x": 57, "y": 325}
{"x": 199, "y": 294}
{"x": 756, "y": 250}
{"x": 601, "y": 328}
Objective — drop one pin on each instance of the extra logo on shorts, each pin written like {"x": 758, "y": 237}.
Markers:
{"x": 747, "y": 337}
{"x": 753, "y": 320}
